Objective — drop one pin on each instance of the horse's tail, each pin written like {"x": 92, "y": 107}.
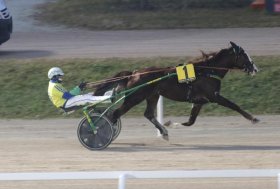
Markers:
{"x": 119, "y": 80}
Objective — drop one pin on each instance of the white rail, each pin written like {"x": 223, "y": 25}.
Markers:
{"x": 160, "y": 112}
{"x": 123, "y": 175}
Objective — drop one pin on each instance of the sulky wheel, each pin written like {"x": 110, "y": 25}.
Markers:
{"x": 98, "y": 140}
{"x": 116, "y": 126}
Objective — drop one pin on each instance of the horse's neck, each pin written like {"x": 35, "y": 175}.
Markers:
{"x": 220, "y": 64}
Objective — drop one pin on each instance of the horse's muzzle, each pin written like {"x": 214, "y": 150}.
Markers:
{"x": 254, "y": 70}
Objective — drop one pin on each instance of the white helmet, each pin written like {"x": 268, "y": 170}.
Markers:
{"x": 55, "y": 71}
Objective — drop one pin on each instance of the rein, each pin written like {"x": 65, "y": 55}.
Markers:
{"x": 124, "y": 77}
{"x": 93, "y": 84}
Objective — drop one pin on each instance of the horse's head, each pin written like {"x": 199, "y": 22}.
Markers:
{"x": 243, "y": 60}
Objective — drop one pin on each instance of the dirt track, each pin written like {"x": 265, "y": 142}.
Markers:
{"x": 213, "y": 143}
{"x": 102, "y": 44}
{"x": 31, "y": 40}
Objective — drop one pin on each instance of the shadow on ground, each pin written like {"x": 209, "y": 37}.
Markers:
{"x": 126, "y": 147}
{"x": 24, "y": 54}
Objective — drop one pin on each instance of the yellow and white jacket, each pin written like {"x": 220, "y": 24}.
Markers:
{"x": 59, "y": 95}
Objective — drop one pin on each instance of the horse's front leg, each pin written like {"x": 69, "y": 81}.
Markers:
{"x": 194, "y": 113}
{"x": 227, "y": 103}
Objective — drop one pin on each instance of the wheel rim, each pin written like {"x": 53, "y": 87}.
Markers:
{"x": 99, "y": 139}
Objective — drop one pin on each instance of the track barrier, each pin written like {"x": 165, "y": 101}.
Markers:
{"x": 122, "y": 176}
{"x": 160, "y": 113}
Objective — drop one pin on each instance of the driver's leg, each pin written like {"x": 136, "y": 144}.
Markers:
{"x": 80, "y": 100}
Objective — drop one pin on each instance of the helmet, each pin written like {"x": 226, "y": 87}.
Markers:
{"x": 55, "y": 71}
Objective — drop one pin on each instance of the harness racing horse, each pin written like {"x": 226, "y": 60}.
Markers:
{"x": 210, "y": 69}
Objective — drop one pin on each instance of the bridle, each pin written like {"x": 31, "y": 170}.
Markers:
{"x": 238, "y": 51}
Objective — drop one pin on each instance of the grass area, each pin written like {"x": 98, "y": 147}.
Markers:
{"x": 24, "y": 85}
{"x": 108, "y": 15}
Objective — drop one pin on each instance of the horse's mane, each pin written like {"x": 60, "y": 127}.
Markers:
{"x": 206, "y": 57}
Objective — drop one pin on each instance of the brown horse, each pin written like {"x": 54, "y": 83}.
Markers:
{"x": 210, "y": 70}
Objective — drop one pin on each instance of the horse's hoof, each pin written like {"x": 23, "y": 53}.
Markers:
{"x": 165, "y": 137}
{"x": 187, "y": 124}
{"x": 255, "y": 120}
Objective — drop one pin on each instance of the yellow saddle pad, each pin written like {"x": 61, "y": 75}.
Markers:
{"x": 185, "y": 73}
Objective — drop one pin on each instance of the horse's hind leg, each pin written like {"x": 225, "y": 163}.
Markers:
{"x": 194, "y": 113}
{"x": 150, "y": 115}
{"x": 128, "y": 103}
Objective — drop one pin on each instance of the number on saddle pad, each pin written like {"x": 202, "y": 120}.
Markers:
{"x": 185, "y": 73}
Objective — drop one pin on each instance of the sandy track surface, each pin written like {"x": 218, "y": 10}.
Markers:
{"x": 213, "y": 143}
{"x": 104, "y": 44}
{"x": 32, "y": 40}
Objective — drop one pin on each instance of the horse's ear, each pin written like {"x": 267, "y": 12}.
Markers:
{"x": 204, "y": 55}
{"x": 235, "y": 47}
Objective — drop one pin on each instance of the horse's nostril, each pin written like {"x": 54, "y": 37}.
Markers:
{"x": 255, "y": 68}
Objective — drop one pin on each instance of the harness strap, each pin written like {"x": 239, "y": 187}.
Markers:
{"x": 215, "y": 76}
{"x": 189, "y": 92}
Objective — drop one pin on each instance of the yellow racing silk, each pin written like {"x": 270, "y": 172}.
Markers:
{"x": 59, "y": 95}
{"x": 56, "y": 92}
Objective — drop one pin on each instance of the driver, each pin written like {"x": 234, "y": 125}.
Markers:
{"x": 64, "y": 99}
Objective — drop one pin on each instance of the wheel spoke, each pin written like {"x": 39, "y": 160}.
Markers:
{"x": 99, "y": 140}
